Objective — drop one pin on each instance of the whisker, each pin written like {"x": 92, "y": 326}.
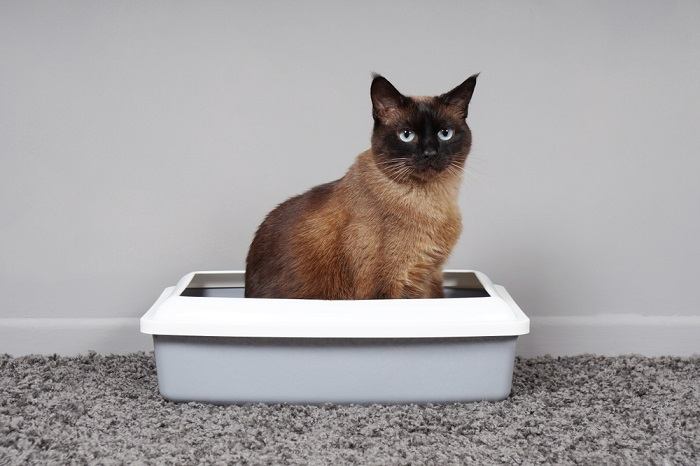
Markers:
{"x": 392, "y": 161}
{"x": 396, "y": 169}
{"x": 399, "y": 175}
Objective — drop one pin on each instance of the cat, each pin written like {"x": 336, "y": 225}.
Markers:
{"x": 385, "y": 229}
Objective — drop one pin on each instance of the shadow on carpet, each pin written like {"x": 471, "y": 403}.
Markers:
{"x": 584, "y": 410}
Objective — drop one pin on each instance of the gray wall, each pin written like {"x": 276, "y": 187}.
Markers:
{"x": 143, "y": 140}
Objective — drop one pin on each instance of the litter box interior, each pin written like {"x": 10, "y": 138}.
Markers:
{"x": 231, "y": 285}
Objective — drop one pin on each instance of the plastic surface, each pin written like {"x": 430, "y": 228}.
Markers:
{"x": 318, "y": 370}
{"x": 213, "y": 345}
{"x": 494, "y": 314}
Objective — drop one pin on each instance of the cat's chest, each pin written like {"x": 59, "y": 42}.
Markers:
{"x": 427, "y": 243}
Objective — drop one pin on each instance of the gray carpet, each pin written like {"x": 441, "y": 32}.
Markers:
{"x": 585, "y": 410}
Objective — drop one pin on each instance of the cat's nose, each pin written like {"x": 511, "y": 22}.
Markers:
{"x": 430, "y": 152}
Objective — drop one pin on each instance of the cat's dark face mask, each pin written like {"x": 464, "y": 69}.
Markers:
{"x": 419, "y": 138}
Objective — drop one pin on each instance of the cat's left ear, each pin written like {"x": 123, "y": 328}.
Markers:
{"x": 460, "y": 96}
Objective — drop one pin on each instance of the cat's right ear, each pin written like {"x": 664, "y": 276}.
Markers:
{"x": 385, "y": 98}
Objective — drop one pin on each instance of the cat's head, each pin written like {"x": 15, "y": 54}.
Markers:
{"x": 420, "y": 138}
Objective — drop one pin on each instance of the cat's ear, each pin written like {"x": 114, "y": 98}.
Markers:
{"x": 385, "y": 97}
{"x": 460, "y": 96}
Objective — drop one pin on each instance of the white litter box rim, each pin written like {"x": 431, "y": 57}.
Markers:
{"x": 495, "y": 315}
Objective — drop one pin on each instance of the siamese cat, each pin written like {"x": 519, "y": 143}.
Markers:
{"x": 385, "y": 229}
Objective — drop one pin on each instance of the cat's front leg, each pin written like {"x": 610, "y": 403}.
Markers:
{"x": 413, "y": 290}
{"x": 414, "y": 287}
{"x": 395, "y": 289}
{"x": 435, "y": 289}
{"x": 399, "y": 289}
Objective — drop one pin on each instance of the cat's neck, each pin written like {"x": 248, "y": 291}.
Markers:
{"x": 432, "y": 199}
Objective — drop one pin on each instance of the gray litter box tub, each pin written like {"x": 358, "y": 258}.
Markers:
{"x": 213, "y": 345}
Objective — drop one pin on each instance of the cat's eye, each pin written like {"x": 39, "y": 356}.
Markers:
{"x": 407, "y": 135}
{"x": 446, "y": 134}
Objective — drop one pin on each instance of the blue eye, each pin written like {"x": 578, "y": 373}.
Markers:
{"x": 445, "y": 134}
{"x": 407, "y": 135}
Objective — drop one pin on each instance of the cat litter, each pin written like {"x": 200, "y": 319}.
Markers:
{"x": 213, "y": 345}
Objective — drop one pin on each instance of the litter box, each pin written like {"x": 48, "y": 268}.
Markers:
{"x": 213, "y": 345}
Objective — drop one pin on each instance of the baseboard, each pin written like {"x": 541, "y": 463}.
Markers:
{"x": 612, "y": 334}
{"x": 24, "y": 336}
{"x": 608, "y": 334}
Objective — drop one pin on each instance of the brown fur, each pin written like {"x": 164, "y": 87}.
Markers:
{"x": 367, "y": 235}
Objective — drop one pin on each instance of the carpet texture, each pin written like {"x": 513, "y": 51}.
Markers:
{"x": 584, "y": 410}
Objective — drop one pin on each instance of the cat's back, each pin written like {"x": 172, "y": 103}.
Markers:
{"x": 271, "y": 265}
